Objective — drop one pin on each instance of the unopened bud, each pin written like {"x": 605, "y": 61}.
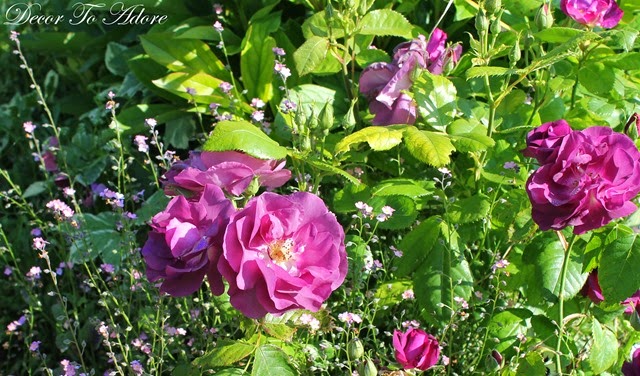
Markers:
{"x": 544, "y": 17}
{"x": 355, "y": 349}
{"x": 516, "y": 53}
{"x": 349, "y": 120}
{"x": 492, "y": 6}
{"x": 482, "y": 22}
{"x": 326, "y": 116}
{"x": 367, "y": 368}
{"x": 495, "y": 27}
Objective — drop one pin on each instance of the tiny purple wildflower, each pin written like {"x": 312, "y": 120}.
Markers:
{"x": 34, "y": 346}
{"x": 68, "y": 191}
{"x": 218, "y": 26}
{"x": 257, "y": 116}
{"x": 13, "y": 35}
{"x": 141, "y": 142}
{"x": 60, "y": 208}
{"x": 8, "y": 270}
{"x": 288, "y": 106}
{"x": 225, "y": 87}
{"x": 29, "y": 127}
{"x": 218, "y": 8}
{"x": 257, "y": 103}
{"x": 282, "y": 69}
{"x": 191, "y": 91}
{"x": 349, "y": 318}
{"x": 408, "y": 295}
{"x": 34, "y": 273}
{"x": 137, "y": 368}
{"x": 107, "y": 268}
{"x": 278, "y": 51}
{"x": 39, "y": 243}
{"x": 151, "y": 122}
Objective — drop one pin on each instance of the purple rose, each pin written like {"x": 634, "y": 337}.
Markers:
{"x": 385, "y": 84}
{"x": 415, "y": 349}
{"x": 594, "y": 177}
{"x": 632, "y": 368}
{"x": 230, "y": 170}
{"x": 592, "y": 288}
{"x": 186, "y": 242}
{"x": 543, "y": 141}
{"x": 282, "y": 253}
{"x": 603, "y": 13}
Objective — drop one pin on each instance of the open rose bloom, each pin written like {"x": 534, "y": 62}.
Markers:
{"x": 602, "y": 13}
{"x": 587, "y": 178}
{"x": 230, "y": 170}
{"x": 186, "y": 242}
{"x": 385, "y": 84}
{"x": 415, "y": 349}
{"x": 282, "y": 253}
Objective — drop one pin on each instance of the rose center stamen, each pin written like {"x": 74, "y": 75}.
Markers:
{"x": 281, "y": 250}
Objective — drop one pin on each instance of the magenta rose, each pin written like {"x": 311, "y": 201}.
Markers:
{"x": 632, "y": 368}
{"x": 595, "y": 175}
{"x": 591, "y": 288}
{"x": 282, "y": 253}
{"x": 385, "y": 84}
{"x": 602, "y": 13}
{"x": 415, "y": 349}
{"x": 230, "y": 170}
{"x": 632, "y": 303}
{"x": 543, "y": 141}
{"x": 186, "y": 242}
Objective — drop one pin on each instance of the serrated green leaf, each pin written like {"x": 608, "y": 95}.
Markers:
{"x": 179, "y": 131}
{"x": 604, "y": 351}
{"x": 271, "y": 361}
{"x": 345, "y": 199}
{"x": 403, "y": 187}
{"x": 506, "y": 325}
{"x": 35, "y": 189}
{"x": 444, "y": 275}
{"x": 532, "y": 364}
{"x": 605, "y": 78}
{"x": 188, "y": 55}
{"x": 469, "y": 209}
{"x": 436, "y": 98}
{"x": 310, "y": 55}
{"x": 204, "y": 85}
{"x": 368, "y": 57}
{"x": 279, "y": 330}
{"x": 627, "y": 61}
{"x": 390, "y": 293}
{"x": 405, "y": 213}
{"x": 429, "y": 147}
{"x": 101, "y": 240}
{"x": 557, "y": 34}
{"x": 257, "y": 60}
{"x": 417, "y": 246}
{"x": 244, "y": 136}
{"x": 378, "y": 138}
{"x": 475, "y": 72}
{"x": 618, "y": 272}
{"x": 316, "y": 25}
{"x": 225, "y": 353}
{"x": 549, "y": 262}
{"x": 468, "y": 137}
{"x": 385, "y": 22}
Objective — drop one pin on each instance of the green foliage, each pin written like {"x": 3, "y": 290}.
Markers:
{"x": 244, "y": 136}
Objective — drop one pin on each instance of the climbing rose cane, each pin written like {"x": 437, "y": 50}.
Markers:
{"x": 594, "y": 175}
{"x": 282, "y": 253}
{"x": 186, "y": 241}
{"x": 602, "y": 13}
{"x": 415, "y": 349}
{"x": 230, "y": 170}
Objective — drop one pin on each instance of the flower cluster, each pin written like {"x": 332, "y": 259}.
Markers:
{"x": 385, "y": 83}
{"x": 277, "y": 253}
{"x": 603, "y": 13}
{"x": 586, "y": 179}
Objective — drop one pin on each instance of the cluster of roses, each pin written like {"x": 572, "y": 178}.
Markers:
{"x": 277, "y": 253}
{"x": 385, "y": 84}
{"x": 586, "y": 178}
